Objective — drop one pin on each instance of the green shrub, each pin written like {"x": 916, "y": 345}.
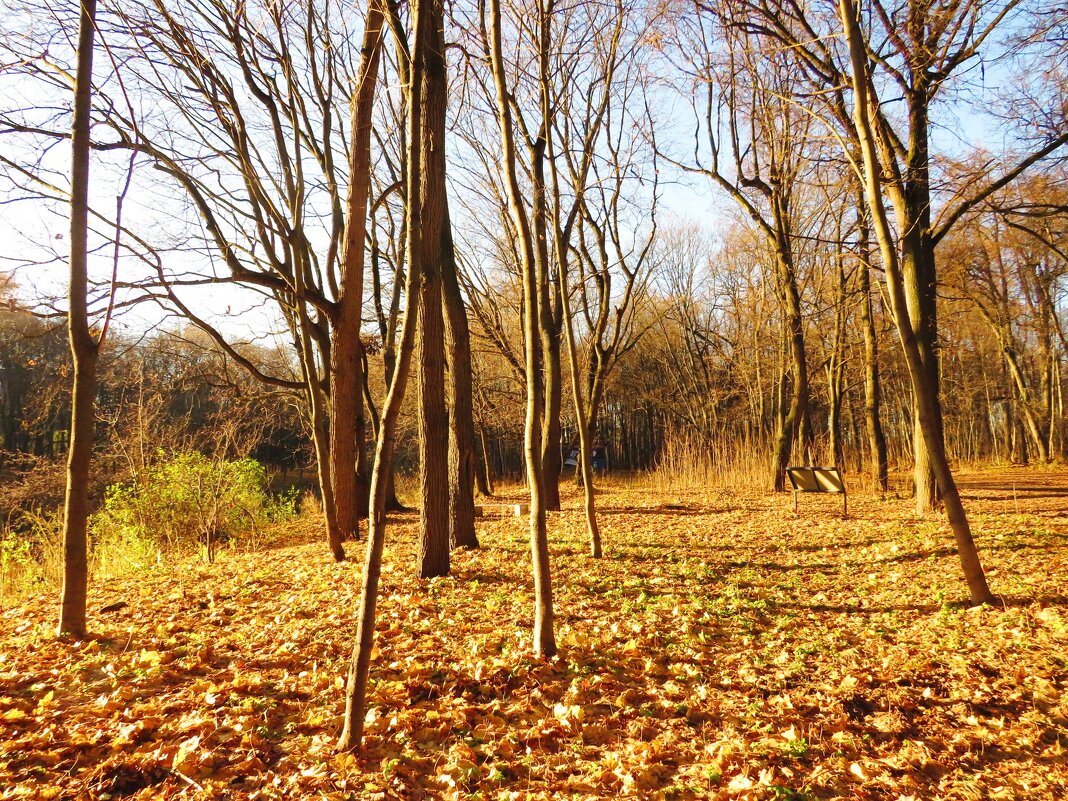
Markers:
{"x": 188, "y": 502}
{"x": 31, "y": 552}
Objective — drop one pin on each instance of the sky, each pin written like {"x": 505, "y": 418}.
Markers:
{"x": 33, "y": 235}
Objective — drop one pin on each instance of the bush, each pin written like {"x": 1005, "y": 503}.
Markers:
{"x": 188, "y": 501}
{"x": 31, "y": 553}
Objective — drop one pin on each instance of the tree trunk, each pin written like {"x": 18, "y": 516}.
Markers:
{"x": 483, "y": 473}
{"x": 585, "y": 418}
{"x": 796, "y": 425}
{"x": 547, "y": 328}
{"x": 551, "y": 453}
{"x": 461, "y": 416}
{"x": 433, "y": 414}
{"x": 921, "y": 290}
{"x": 1026, "y": 413}
{"x": 83, "y": 346}
{"x": 427, "y": 21}
{"x": 347, "y": 423}
{"x": 925, "y": 391}
{"x": 543, "y": 634}
{"x": 872, "y": 388}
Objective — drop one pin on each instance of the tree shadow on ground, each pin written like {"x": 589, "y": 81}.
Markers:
{"x": 1004, "y": 602}
{"x": 776, "y": 567}
{"x": 666, "y": 510}
{"x": 851, "y": 609}
{"x": 1016, "y": 602}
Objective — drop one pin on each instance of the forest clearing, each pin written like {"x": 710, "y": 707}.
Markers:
{"x": 724, "y": 647}
{"x": 289, "y": 289}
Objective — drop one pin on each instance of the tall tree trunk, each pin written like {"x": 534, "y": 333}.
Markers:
{"x": 551, "y": 450}
{"x": 1026, "y": 413}
{"x": 925, "y": 391}
{"x": 483, "y": 471}
{"x": 796, "y": 426}
{"x": 834, "y": 413}
{"x": 872, "y": 387}
{"x": 836, "y": 370}
{"x": 461, "y": 417}
{"x": 427, "y": 17}
{"x": 585, "y": 418}
{"x": 315, "y": 394}
{"x": 347, "y": 423}
{"x": 921, "y": 288}
{"x": 543, "y": 634}
{"x": 83, "y": 346}
{"x": 433, "y": 414}
{"x": 547, "y": 329}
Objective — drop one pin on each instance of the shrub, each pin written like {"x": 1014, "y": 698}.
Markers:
{"x": 31, "y": 552}
{"x": 187, "y": 501}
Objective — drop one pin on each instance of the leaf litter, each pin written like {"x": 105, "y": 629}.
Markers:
{"x": 724, "y": 648}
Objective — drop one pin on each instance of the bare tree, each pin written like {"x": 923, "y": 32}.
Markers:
{"x": 425, "y": 122}
{"x": 84, "y": 344}
{"x": 924, "y": 390}
{"x": 429, "y": 71}
{"x": 347, "y": 424}
{"x": 755, "y": 142}
{"x": 462, "y": 461}
{"x": 531, "y": 228}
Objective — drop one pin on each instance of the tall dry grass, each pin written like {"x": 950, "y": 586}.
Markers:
{"x": 689, "y": 463}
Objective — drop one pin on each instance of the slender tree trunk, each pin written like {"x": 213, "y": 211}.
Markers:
{"x": 321, "y": 446}
{"x": 872, "y": 387}
{"x": 796, "y": 425}
{"x": 921, "y": 285}
{"x": 484, "y": 473}
{"x": 83, "y": 346}
{"x": 461, "y": 416}
{"x": 427, "y": 15}
{"x": 543, "y": 634}
{"x": 585, "y": 420}
{"x": 551, "y": 454}
{"x": 433, "y": 414}
{"x": 547, "y": 329}
{"x": 836, "y": 366}
{"x": 1052, "y": 370}
{"x": 347, "y": 423}
{"x": 834, "y": 413}
{"x": 924, "y": 390}
{"x": 1026, "y": 413}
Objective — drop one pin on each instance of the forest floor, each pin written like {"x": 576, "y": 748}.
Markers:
{"x": 725, "y": 647}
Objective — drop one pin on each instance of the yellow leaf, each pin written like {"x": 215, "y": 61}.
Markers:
{"x": 739, "y": 783}
{"x": 183, "y": 761}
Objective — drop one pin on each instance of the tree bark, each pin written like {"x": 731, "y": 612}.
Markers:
{"x": 427, "y": 16}
{"x": 83, "y": 346}
{"x": 461, "y": 416}
{"x": 543, "y": 634}
{"x": 547, "y": 329}
{"x": 585, "y": 418}
{"x": 924, "y": 390}
{"x": 347, "y": 422}
{"x": 433, "y": 414}
{"x": 872, "y": 388}
{"x": 796, "y": 425}
{"x": 551, "y": 453}
{"x": 483, "y": 473}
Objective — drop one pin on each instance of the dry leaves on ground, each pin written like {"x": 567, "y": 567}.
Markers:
{"x": 724, "y": 648}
